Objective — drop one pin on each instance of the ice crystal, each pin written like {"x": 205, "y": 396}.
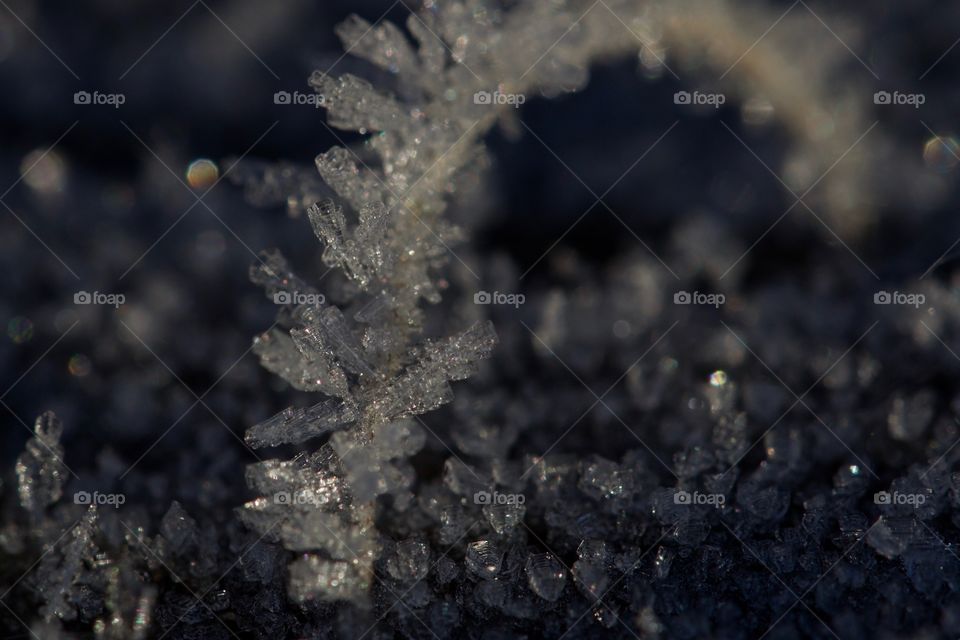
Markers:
{"x": 372, "y": 513}
{"x": 40, "y": 469}
{"x": 546, "y": 576}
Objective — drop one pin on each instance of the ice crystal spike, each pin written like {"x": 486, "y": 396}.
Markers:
{"x": 329, "y": 330}
{"x": 292, "y": 425}
{"x": 274, "y": 274}
{"x": 357, "y": 187}
{"x": 40, "y": 468}
{"x": 382, "y": 44}
{"x": 360, "y": 254}
{"x": 353, "y": 104}
{"x": 60, "y": 571}
{"x": 297, "y": 359}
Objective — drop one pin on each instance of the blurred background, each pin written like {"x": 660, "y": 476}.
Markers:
{"x": 138, "y": 199}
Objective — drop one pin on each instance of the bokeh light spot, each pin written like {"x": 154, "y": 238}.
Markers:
{"x": 202, "y": 173}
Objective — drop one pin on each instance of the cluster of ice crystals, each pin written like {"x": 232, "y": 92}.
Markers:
{"x": 366, "y": 348}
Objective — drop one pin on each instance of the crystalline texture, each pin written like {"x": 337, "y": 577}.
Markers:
{"x": 484, "y": 559}
{"x": 294, "y": 358}
{"x": 410, "y": 561}
{"x": 294, "y": 425}
{"x": 361, "y": 253}
{"x": 40, "y": 468}
{"x": 546, "y": 576}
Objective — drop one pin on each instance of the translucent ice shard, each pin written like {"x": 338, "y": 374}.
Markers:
{"x": 328, "y": 329}
{"x": 362, "y": 253}
{"x": 382, "y": 44}
{"x": 61, "y": 570}
{"x": 545, "y": 575}
{"x": 40, "y": 468}
{"x": 504, "y": 517}
{"x": 353, "y": 104}
{"x": 313, "y": 577}
{"x": 357, "y": 187}
{"x": 295, "y": 358}
{"x": 591, "y": 578}
{"x": 274, "y": 274}
{"x": 293, "y": 425}
{"x": 177, "y": 527}
{"x": 409, "y": 561}
{"x": 484, "y": 559}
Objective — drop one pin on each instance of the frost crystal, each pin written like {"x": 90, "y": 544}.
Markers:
{"x": 369, "y": 343}
{"x": 40, "y": 469}
{"x": 546, "y": 576}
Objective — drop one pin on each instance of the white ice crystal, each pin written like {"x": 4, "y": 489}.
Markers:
{"x": 385, "y": 231}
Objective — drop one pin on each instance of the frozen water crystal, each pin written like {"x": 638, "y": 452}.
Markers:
{"x": 314, "y": 577}
{"x": 504, "y": 517}
{"x": 591, "y": 578}
{"x": 545, "y": 575}
{"x": 40, "y": 469}
{"x": 177, "y": 527}
{"x": 294, "y": 425}
{"x": 410, "y": 561}
{"x": 484, "y": 559}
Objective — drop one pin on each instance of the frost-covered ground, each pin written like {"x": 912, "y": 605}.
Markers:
{"x": 582, "y": 319}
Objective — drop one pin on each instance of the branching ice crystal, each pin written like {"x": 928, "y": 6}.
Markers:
{"x": 362, "y": 343}
{"x": 40, "y": 469}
